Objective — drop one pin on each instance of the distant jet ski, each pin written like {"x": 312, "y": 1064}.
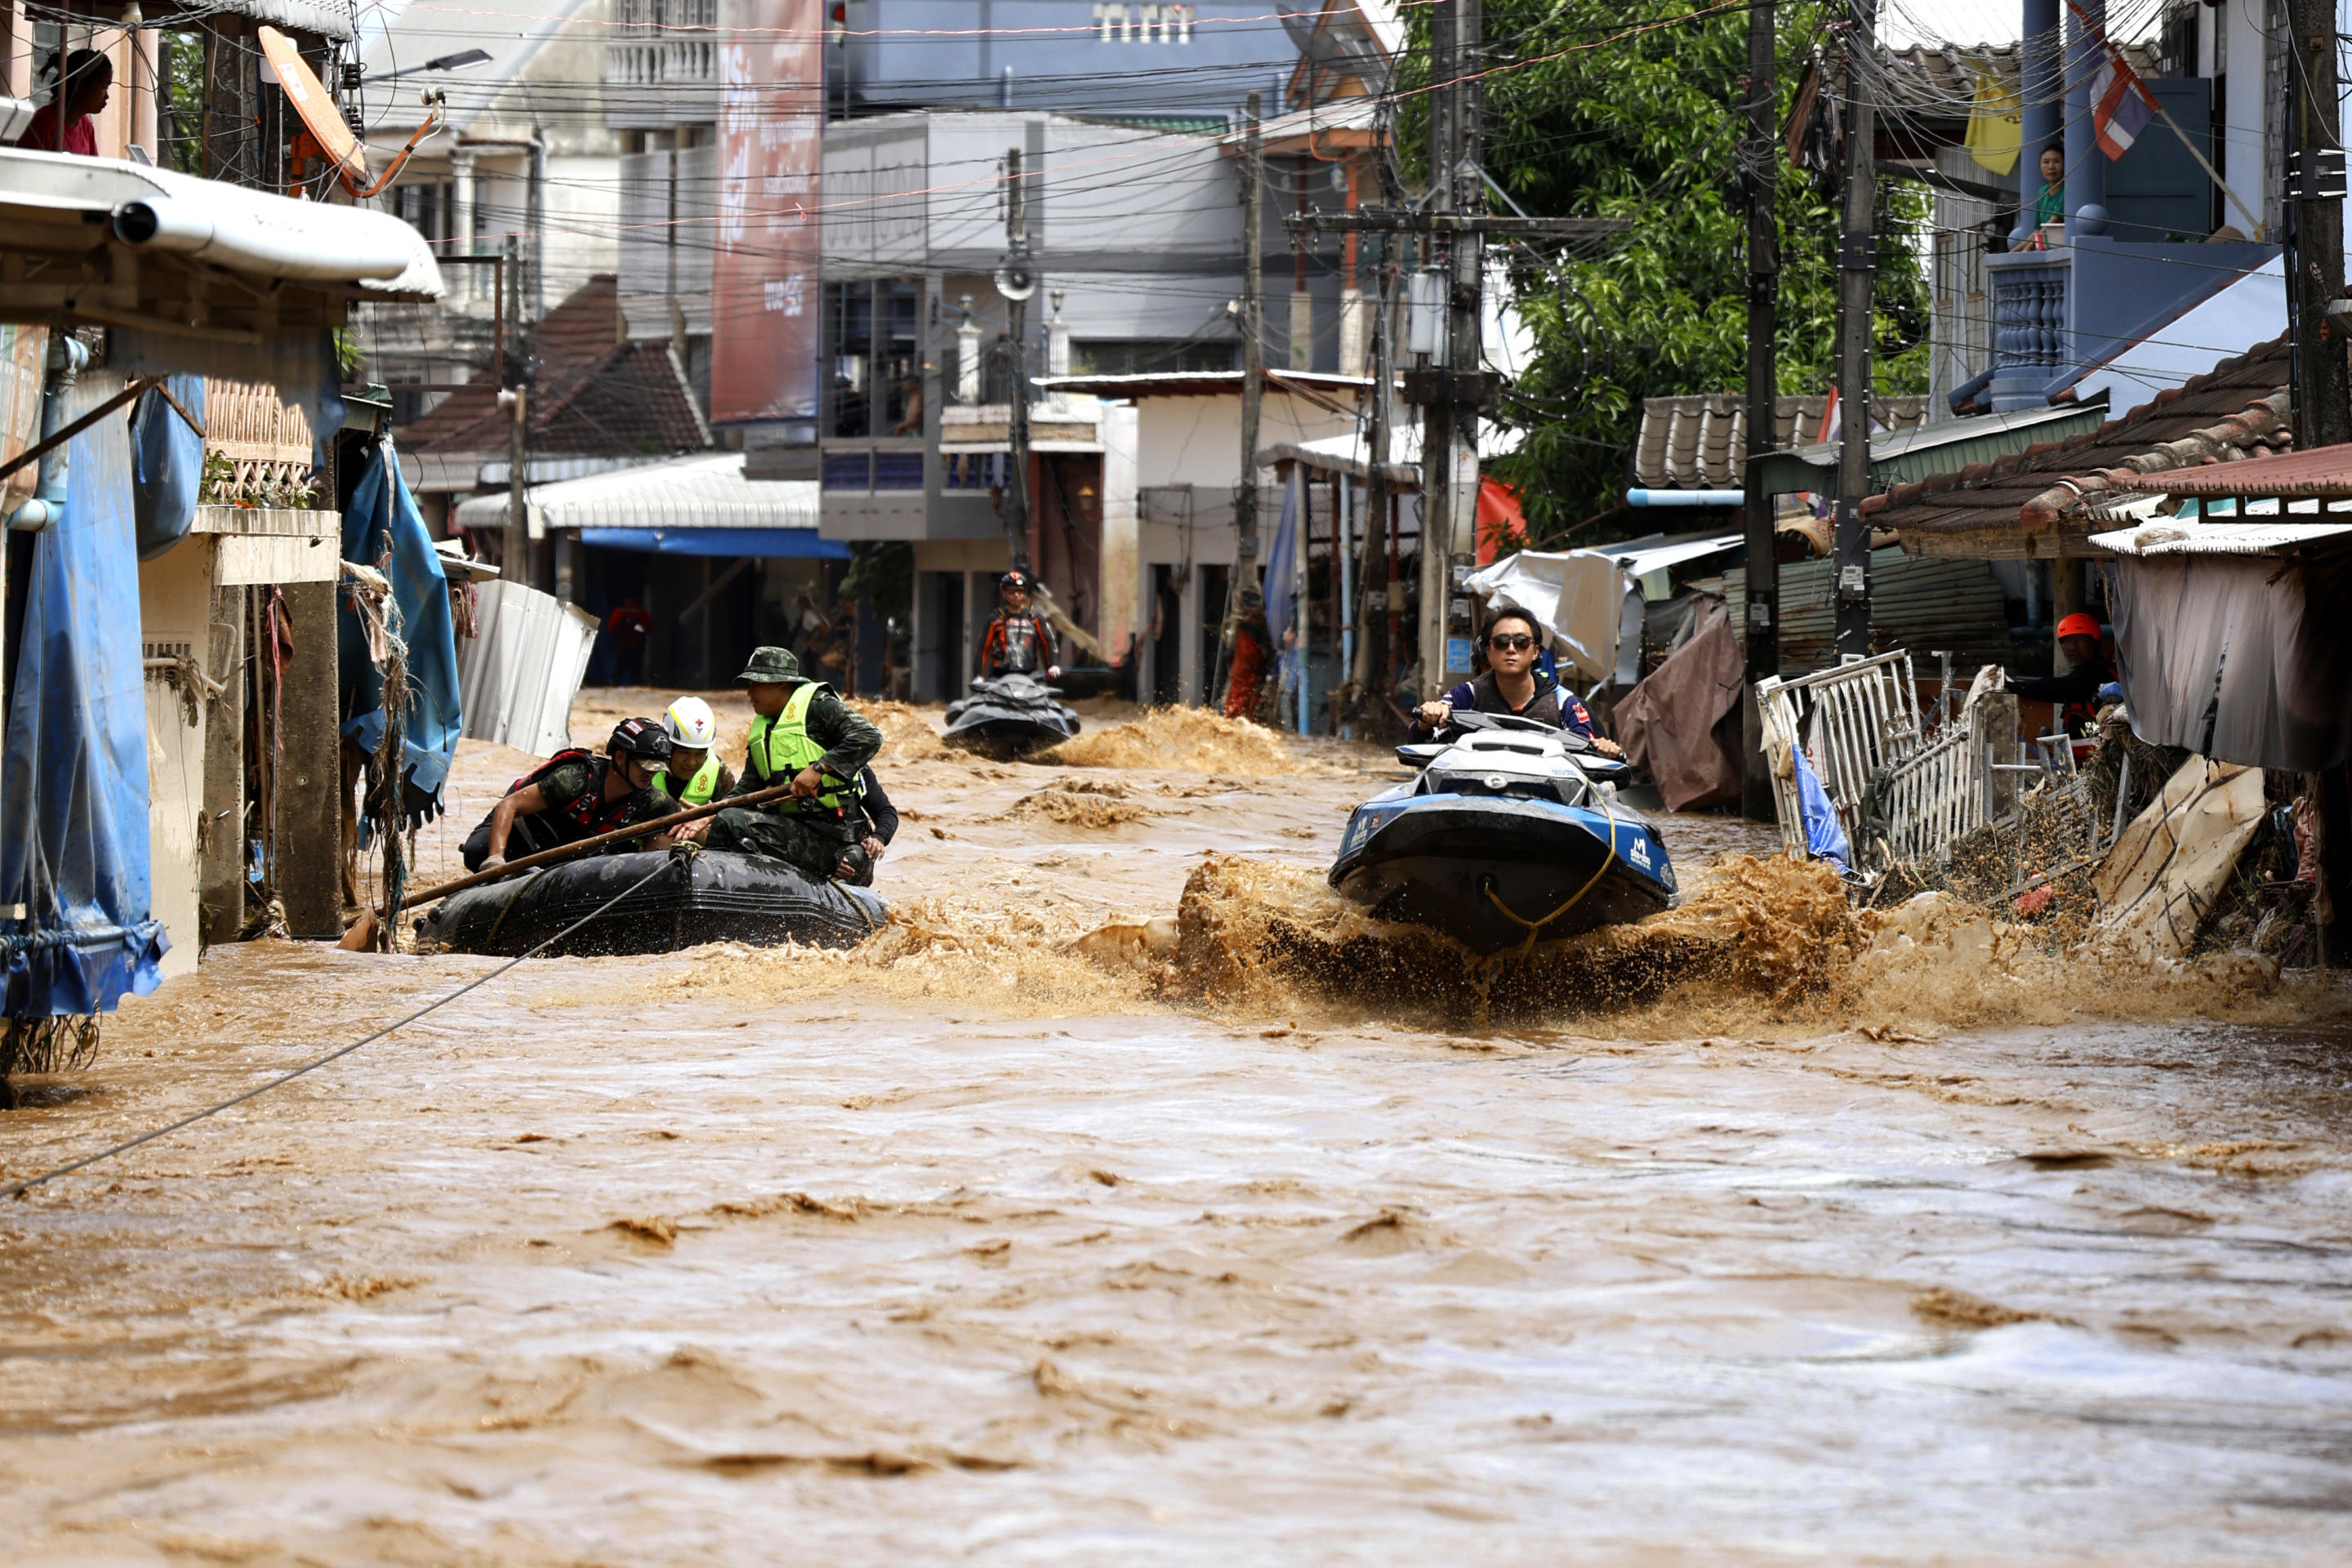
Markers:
{"x": 1009, "y": 715}
{"x": 715, "y": 896}
{"x": 1512, "y": 826}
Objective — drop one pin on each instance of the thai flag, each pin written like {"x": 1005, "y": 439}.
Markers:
{"x": 2121, "y": 106}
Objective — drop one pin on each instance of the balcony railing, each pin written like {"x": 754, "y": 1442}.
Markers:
{"x": 664, "y": 43}
{"x": 2029, "y": 318}
{"x": 662, "y": 62}
{"x": 2057, "y": 314}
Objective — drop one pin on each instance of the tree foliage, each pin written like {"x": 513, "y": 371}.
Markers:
{"x": 1592, "y": 111}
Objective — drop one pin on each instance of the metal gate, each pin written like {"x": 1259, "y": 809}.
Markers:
{"x": 1901, "y": 795}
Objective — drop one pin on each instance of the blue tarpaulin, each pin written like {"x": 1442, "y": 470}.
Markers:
{"x": 167, "y": 464}
{"x": 771, "y": 543}
{"x": 75, "y": 927}
{"x": 383, "y": 521}
{"x": 1282, "y": 564}
{"x": 1826, "y": 837}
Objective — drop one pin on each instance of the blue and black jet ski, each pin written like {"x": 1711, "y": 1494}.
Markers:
{"x": 1513, "y": 827}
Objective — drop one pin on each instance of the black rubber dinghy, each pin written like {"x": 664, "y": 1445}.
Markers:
{"x": 715, "y": 896}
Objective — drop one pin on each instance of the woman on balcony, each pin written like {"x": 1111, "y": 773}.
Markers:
{"x": 2050, "y": 206}
{"x": 85, "y": 78}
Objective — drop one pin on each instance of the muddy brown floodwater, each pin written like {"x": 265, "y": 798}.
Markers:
{"x": 1763, "y": 1235}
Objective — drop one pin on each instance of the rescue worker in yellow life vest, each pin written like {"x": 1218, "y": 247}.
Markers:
{"x": 802, "y": 735}
{"x": 696, "y": 774}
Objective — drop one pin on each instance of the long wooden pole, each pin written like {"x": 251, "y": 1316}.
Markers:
{"x": 570, "y": 851}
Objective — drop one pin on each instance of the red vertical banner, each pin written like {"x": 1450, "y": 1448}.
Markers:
{"x": 764, "y": 315}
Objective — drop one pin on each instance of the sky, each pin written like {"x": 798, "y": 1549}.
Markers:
{"x": 1953, "y": 21}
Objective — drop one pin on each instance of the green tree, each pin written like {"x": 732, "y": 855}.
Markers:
{"x": 1587, "y": 116}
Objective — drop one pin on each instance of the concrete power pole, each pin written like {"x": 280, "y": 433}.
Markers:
{"x": 514, "y": 374}
{"x": 1016, "y": 280}
{"x": 1449, "y": 451}
{"x": 1858, "y": 270}
{"x": 2316, "y": 186}
{"x": 1759, "y": 174}
{"x": 1244, "y": 572}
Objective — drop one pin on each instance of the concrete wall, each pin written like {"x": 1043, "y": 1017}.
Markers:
{"x": 175, "y": 621}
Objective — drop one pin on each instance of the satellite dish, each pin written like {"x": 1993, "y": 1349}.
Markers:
{"x": 1016, "y": 280}
{"x": 328, "y": 133}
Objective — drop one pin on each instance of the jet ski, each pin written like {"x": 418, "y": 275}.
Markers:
{"x": 1511, "y": 833}
{"x": 716, "y": 895}
{"x": 1008, "y": 715}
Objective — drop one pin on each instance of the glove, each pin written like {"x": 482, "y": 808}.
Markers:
{"x": 493, "y": 862}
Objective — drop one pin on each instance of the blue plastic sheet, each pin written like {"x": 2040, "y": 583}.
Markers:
{"x": 1282, "y": 564}
{"x": 167, "y": 459}
{"x": 384, "y": 521}
{"x": 1826, "y": 837}
{"x": 73, "y": 783}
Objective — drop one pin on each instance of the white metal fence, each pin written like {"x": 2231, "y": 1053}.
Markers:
{"x": 1901, "y": 795}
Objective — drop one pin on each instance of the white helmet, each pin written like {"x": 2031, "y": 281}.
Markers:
{"x": 691, "y": 724}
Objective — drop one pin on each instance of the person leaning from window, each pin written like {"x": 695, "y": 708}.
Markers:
{"x": 1512, "y": 684}
{"x": 2049, "y": 206}
{"x": 85, "y": 78}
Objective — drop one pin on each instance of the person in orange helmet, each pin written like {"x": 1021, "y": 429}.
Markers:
{"x": 2074, "y": 694}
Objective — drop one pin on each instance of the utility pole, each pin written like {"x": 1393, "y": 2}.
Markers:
{"x": 514, "y": 376}
{"x": 1759, "y": 175}
{"x": 1450, "y": 398}
{"x": 1858, "y": 270}
{"x": 2315, "y": 188}
{"x": 1016, "y": 280}
{"x": 1244, "y": 572}
{"x": 1456, "y": 383}
{"x": 1373, "y": 574}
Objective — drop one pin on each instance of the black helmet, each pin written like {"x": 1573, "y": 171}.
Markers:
{"x": 639, "y": 738}
{"x": 1017, "y": 578}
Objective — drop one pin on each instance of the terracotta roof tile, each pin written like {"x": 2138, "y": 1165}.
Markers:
{"x": 597, "y": 393}
{"x": 2236, "y": 408}
{"x": 1700, "y": 442}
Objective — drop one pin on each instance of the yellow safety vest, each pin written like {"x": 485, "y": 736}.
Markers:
{"x": 780, "y": 747}
{"x": 700, "y": 788}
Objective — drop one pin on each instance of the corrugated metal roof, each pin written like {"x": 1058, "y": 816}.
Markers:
{"x": 706, "y": 490}
{"x": 1909, "y": 456}
{"x": 1353, "y": 454}
{"x": 1926, "y": 605}
{"x": 2326, "y": 473}
{"x": 2171, "y": 537}
{"x": 1700, "y": 442}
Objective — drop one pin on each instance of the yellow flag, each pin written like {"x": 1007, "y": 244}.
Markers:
{"x": 1996, "y": 125}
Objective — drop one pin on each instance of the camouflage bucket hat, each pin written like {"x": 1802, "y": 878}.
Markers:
{"x": 771, "y": 666}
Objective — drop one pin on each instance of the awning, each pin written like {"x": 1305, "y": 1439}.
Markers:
{"x": 771, "y": 543}
{"x": 118, "y": 244}
{"x": 1642, "y": 556}
{"x": 671, "y": 506}
{"x": 1353, "y": 454}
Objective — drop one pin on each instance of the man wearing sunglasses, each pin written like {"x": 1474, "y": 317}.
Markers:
{"x": 1513, "y": 685}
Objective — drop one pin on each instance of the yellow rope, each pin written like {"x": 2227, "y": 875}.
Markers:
{"x": 1608, "y": 810}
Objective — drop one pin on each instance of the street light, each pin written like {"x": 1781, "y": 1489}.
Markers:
{"x": 464, "y": 60}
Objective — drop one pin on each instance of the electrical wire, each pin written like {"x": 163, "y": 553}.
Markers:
{"x": 18, "y": 1188}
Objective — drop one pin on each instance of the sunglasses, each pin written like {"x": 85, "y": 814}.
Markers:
{"x": 1512, "y": 642}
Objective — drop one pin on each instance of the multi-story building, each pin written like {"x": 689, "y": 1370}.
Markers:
{"x": 171, "y": 271}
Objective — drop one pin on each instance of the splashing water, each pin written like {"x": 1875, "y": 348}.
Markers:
{"x": 1187, "y": 740}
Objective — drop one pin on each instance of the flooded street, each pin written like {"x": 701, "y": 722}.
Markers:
{"x": 976, "y": 1246}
